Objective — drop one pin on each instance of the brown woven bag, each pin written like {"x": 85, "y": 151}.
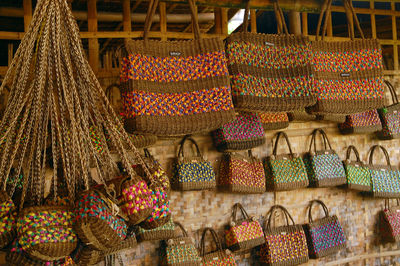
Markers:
{"x": 216, "y": 257}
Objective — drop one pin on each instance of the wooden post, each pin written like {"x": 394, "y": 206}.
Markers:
{"x": 27, "y": 13}
{"x": 304, "y": 23}
{"x": 126, "y": 15}
{"x": 93, "y": 42}
{"x": 163, "y": 20}
{"x": 224, "y": 21}
{"x": 253, "y": 20}
{"x": 217, "y": 20}
{"x": 394, "y": 34}
{"x": 373, "y": 21}
{"x": 10, "y": 53}
{"x": 329, "y": 29}
{"x": 294, "y": 22}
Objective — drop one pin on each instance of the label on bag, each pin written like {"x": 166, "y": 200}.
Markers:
{"x": 182, "y": 242}
{"x": 356, "y": 165}
{"x": 215, "y": 258}
{"x": 395, "y": 112}
{"x": 283, "y": 233}
{"x": 284, "y": 158}
{"x": 175, "y": 53}
{"x": 383, "y": 170}
{"x": 345, "y": 74}
{"x": 194, "y": 161}
{"x": 269, "y": 44}
{"x": 326, "y": 152}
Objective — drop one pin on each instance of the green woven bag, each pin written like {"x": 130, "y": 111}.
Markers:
{"x": 358, "y": 175}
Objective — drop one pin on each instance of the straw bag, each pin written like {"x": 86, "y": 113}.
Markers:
{"x": 46, "y": 233}
{"x": 244, "y": 133}
{"x": 390, "y": 117}
{"x": 270, "y": 72}
{"x": 192, "y": 172}
{"x": 179, "y": 251}
{"x": 285, "y": 171}
{"x": 284, "y": 245}
{"x": 7, "y": 219}
{"x": 324, "y": 167}
{"x": 385, "y": 179}
{"x": 348, "y": 74}
{"x": 245, "y": 233}
{"x": 366, "y": 122}
{"x": 324, "y": 236}
{"x": 163, "y": 232}
{"x": 358, "y": 176}
{"x": 176, "y": 87}
{"x": 242, "y": 174}
{"x": 389, "y": 222}
{"x": 85, "y": 255}
{"x": 218, "y": 257}
{"x": 273, "y": 121}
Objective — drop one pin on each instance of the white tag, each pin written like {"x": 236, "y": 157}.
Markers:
{"x": 269, "y": 44}
{"x": 383, "y": 170}
{"x": 215, "y": 258}
{"x": 395, "y": 112}
{"x": 356, "y": 165}
{"x": 175, "y": 53}
{"x": 194, "y": 161}
{"x": 182, "y": 242}
{"x": 326, "y": 152}
{"x": 345, "y": 75}
{"x": 397, "y": 210}
{"x": 283, "y": 233}
{"x": 284, "y": 158}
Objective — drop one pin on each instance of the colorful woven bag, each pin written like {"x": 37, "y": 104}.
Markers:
{"x": 269, "y": 72}
{"x": 244, "y": 133}
{"x": 218, "y": 257}
{"x": 241, "y": 174}
{"x": 7, "y": 219}
{"x": 46, "y": 233}
{"x": 390, "y": 117}
{"x": 274, "y": 121}
{"x": 285, "y": 171}
{"x": 284, "y": 245}
{"x": 358, "y": 175}
{"x": 366, "y": 122}
{"x": 301, "y": 116}
{"x": 176, "y": 87}
{"x": 192, "y": 172}
{"x": 324, "y": 167}
{"x": 163, "y": 232}
{"x": 245, "y": 233}
{"x": 325, "y": 236}
{"x": 348, "y": 74}
{"x": 179, "y": 251}
{"x": 385, "y": 179}
{"x": 389, "y": 222}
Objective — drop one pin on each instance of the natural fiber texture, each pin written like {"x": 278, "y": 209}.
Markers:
{"x": 192, "y": 172}
{"x": 273, "y": 121}
{"x": 301, "y": 116}
{"x": 324, "y": 236}
{"x": 218, "y": 257}
{"x": 85, "y": 255}
{"x": 285, "y": 171}
{"x": 244, "y": 133}
{"x": 241, "y": 174}
{"x": 389, "y": 222}
{"x": 390, "y": 117}
{"x": 7, "y": 220}
{"x": 336, "y": 118}
{"x": 366, "y": 122}
{"x": 358, "y": 175}
{"x": 163, "y": 232}
{"x": 245, "y": 233}
{"x": 284, "y": 245}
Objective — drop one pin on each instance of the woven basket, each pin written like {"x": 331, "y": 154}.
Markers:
{"x": 217, "y": 257}
{"x": 366, "y": 122}
{"x": 301, "y": 116}
{"x": 390, "y": 117}
{"x": 163, "y": 232}
{"x": 7, "y": 220}
{"x": 274, "y": 121}
{"x": 389, "y": 222}
{"x": 358, "y": 175}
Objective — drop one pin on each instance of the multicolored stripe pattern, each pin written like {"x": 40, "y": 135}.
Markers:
{"x": 384, "y": 180}
{"x": 324, "y": 166}
{"x": 393, "y": 219}
{"x": 182, "y": 253}
{"x": 390, "y": 122}
{"x": 193, "y": 172}
{"x": 358, "y": 175}
{"x": 365, "y": 119}
{"x": 287, "y": 170}
{"x": 227, "y": 260}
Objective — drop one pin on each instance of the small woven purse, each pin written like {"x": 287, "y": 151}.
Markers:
{"x": 324, "y": 167}
{"x": 192, "y": 172}
{"x": 389, "y": 222}
{"x": 366, "y": 122}
{"x": 358, "y": 176}
{"x": 390, "y": 117}
{"x": 385, "y": 179}
{"x": 7, "y": 219}
{"x": 218, "y": 257}
{"x": 245, "y": 233}
{"x": 285, "y": 171}
{"x": 179, "y": 251}
{"x": 244, "y": 133}
{"x": 325, "y": 236}
{"x": 241, "y": 174}
{"x": 284, "y": 245}
{"x": 274, "y": 121}
{"x": 163, "y": 232}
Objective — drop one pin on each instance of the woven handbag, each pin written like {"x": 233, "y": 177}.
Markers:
{"x": 192, "y": 172}
{"x": 218, "y": 257}
{"x": 176, "y": 87}
{"x": 241, "y": 174}
{"x": 245, "y": 233}
{"x": 325, "y": 236}
{"x": 163, "y": 232}
{"x": 348, "y": 74}
{"x": 46, "y": 233}
{"x": 179, "y": 251}
{"x": 284, "y": 245}
{"x": 244, "y": 133}
{"x": 269, "y": 72}
{"x": 365, "y": 122}
{"x": 389, "y": 222}
{"x": 7, "y": 219}
{"x": 385, "y": 179}
{"x": 358, "y": 176}
{"x": 324, "y": 167}
{"x": 274, "y": 121}
{"x": 390, "y": 117}
{"x": 285, "y": 171}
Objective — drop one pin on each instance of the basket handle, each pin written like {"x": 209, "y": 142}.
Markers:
{"x": 182, "y": 143}
{"x": 387, "y": 203}
{"x": 324, "y": 138}
{"x": 272, "y": 211}
{"x": 393, "y": 93}
{"x": 371, "y": 155}
{"x": 355, "y": 151}
{"x": 320, "y": 202}
{"x": 184, "y": 232}
{"x": 214, "y": 237}
{"x": 235, "y": 209}
{"x": 281, "y": 133}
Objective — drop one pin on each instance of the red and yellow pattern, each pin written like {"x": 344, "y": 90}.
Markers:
{"x": 243, "y": 232}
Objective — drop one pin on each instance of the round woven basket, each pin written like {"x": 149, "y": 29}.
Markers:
{"x": 142, "y": 214}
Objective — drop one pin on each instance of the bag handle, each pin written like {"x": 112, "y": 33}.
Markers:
{"x": 324, "y": 138}
{"x": 184, "y": 232}
{"x": 182, "y": 143}
{"x": 281, "y": 133}
{"x": 355, "y": 151}
{"x": 214, "y": 237}
{"x": 387, "y": 203}
{"x": 320, "y": 202}
{"x": 147, "y": 153}
{"x": 393, "y": 93}
{"x": 371, "y": 155}
{"x": 234, "y": 212}
{"x": 272, "y": 212}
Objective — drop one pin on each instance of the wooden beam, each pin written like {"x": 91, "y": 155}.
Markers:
{"x": 373, "y": 21}
{"x": 253, "y": 20}
{"x": 10, "y": 53}
{"x": 217, "y": 20}
{"x": 304, "y": 23}
{"x": 294, "y": 23}
{"x": 224, "y": 21}
{"x": 394, "y": 37}
{"x": 163, "y": 20}
{"x": 27, "y": 4}
{"x": 93, "y": 42}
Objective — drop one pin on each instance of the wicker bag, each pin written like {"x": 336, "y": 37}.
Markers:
{"x": 389, "y": 222}
{"x": 244, "y": 133}
{"x": 365, "y": 122}
{"x": 245, "y": 233}
{"x": 348, "y": 74}
{"x": 179, "y": 251}
{"x": 325, "y": 236}
{"x": 270, "y": 72}
{"x": 358, "y": 175}
{"x": 241, "y": 174}
{"x": 285, "y": 171}
{"x": 176, "y": 87}
{"x": 390, "y": 117}
{"x": 163, "y": 232}
{"x": 46, "y": 233}
{"x": 218, "y": 257}
{"x": 284, "y": 245}
{"x": 385, "y": 179}
{"x": 192, "y": 172}
{"x": 324, "y": 167}
{"x": 274, "y": 121}
{"x": 7, "y": 220}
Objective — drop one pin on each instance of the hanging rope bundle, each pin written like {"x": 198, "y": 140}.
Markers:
{"x": 54, "y": 100}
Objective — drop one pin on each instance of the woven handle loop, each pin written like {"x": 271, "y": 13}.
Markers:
{"x": 393, "y": 93}
{"x": 147, "y": 153}
{"x": 272, "y": 213}
{"x": 324, "y": 138}
{"x": 371, "y": 155}
{"x": 281, "y": 133}
{"x": 184, "y": 232}
{"x": 214, "y": 237}
{"x": 182, "y": 143}
{"x": 234, "y": 212}
{"x": 321, "y": 203}
{"x": 387, "y": 203}
{"x": 355, "y": 151}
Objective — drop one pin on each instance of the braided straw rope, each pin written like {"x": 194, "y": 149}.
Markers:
{"x": 52, "y": 87}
